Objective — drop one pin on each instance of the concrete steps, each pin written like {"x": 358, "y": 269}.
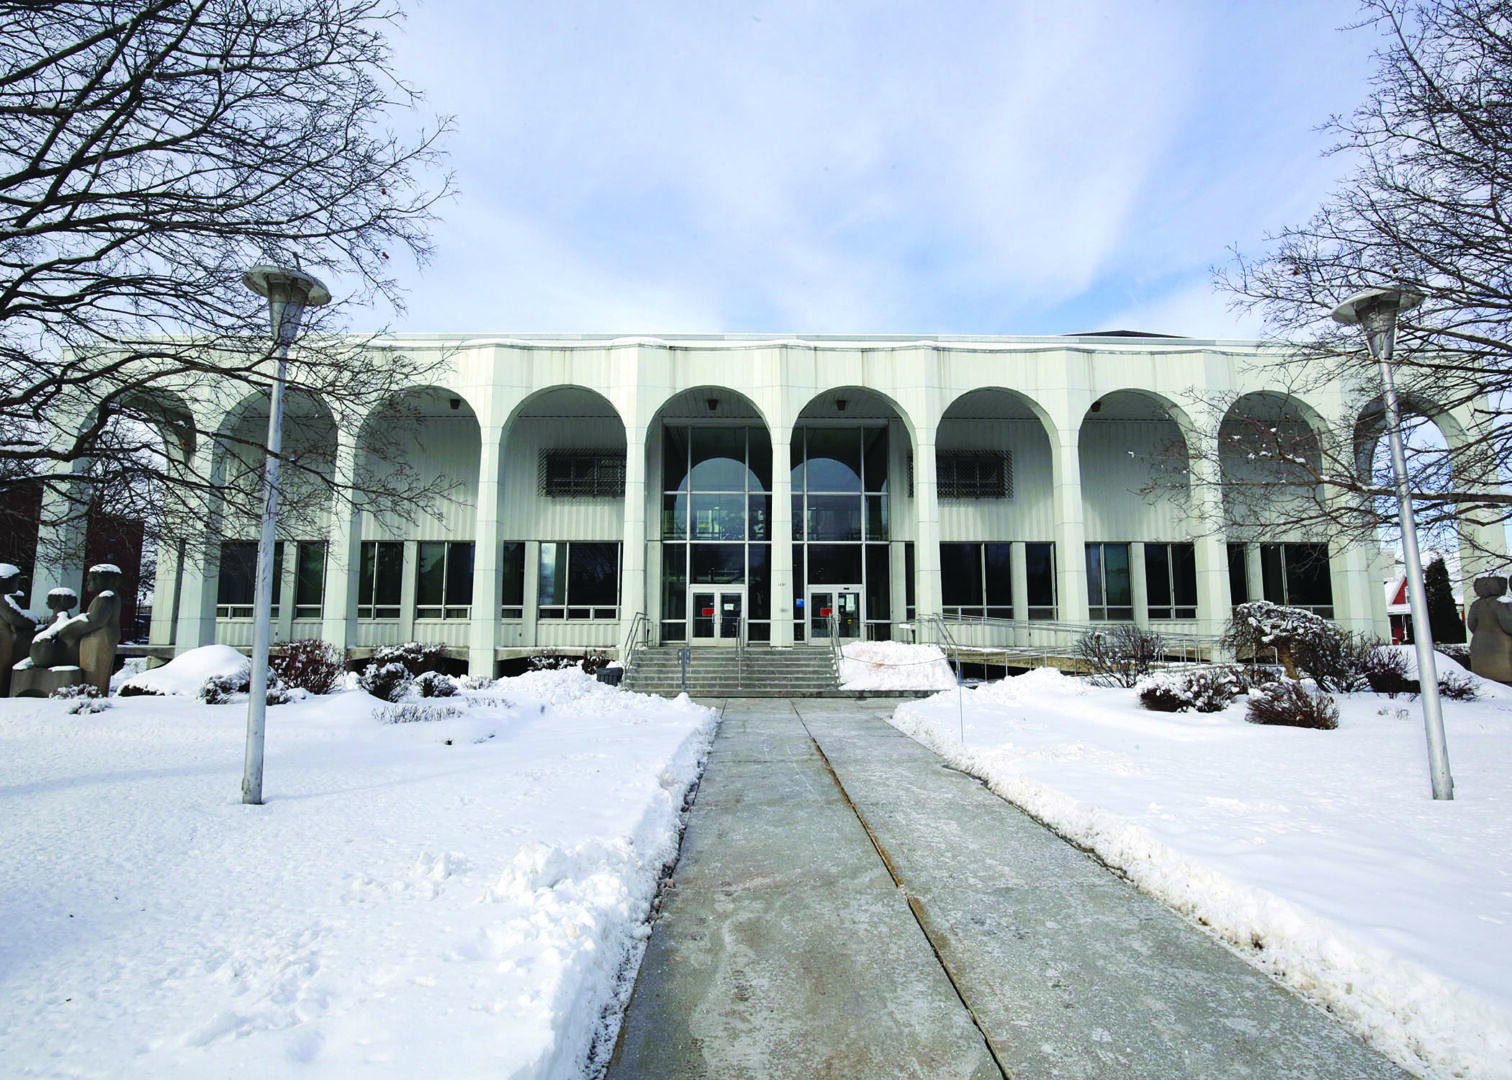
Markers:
{"x": 760, "y": 671}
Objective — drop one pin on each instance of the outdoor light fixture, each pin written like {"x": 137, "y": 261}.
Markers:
{"x": 840, "y": 404}
{"x": 1096, "y": 406}
{"x": 289, "y": 292}
{"x": 1375, "y": 311}
{"x": 712, "y": 403}
{"x": 455, "y": 403}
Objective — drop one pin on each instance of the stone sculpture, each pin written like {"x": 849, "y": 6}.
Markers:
{"x": 17, "y": 624}
{"x": 48, "y": 648}
{"x": 1490, "y": 623}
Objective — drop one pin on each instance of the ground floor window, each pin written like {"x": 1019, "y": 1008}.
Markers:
{"x": 910, "y": 605}
{"x": 1297, "y": 575}
{"x": 1110, "y": 597}
{"x": 1239, "y": 592}
{"x": 1171, "y": 581}
{"x": 236, "y": 588}
{"x": 578, "y": 579}
{"x": 309, "y": 578}
{"x": 443, "y": 579}
{"x": 512, "y": 578}
{"x": 709, "y": 570}
{"x": 976, "y": 580}
{"x": 1039, "y": 569}
{"x": 380, "y": 579}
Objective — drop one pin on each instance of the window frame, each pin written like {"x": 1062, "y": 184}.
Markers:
{"x": 448, "y": 610}
{"x": 1170, "y": 607}
{"x": 566, "y": 610}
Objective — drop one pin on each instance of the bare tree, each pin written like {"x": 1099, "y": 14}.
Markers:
{"x": 1427, "y": 206}
{"x": 149, "y": 154}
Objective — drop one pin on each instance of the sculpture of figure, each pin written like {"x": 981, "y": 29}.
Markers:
{"x": 48, "y": 648}
{"x": 1490, "y": 623}
{"x": 98, "y": 630}
{"x": 17, "y": 624}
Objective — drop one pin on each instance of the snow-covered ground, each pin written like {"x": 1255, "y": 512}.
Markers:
{"x": 892, "y": 665}
{"x": 1319, "y": 854}
{"x": 454, "y": 898}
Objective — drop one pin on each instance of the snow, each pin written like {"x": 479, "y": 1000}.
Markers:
{"x": 63, "y": 593}
{"x": 104, "y": 568}
{"x": 892, "y": 665}
{"x": 8, "y": 570}
{"x": 187, "y": 672}
{"x": 1320, "y": 855}
{"x": 460, "y": 898}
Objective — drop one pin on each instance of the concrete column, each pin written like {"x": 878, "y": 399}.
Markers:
{"x": 59, "y": 560}
{"x": 1018, "y": 570}
{"x": 633, "y": 553}
{"x": 407, "y": 590}
{"x": 1254, "y": 572}
{"x": 530, "y": 624}
{"x": 488, "y": 586}
{"x": 1070, "y": 528}
{"x": 1210, "y": 545}
{"x": 782, "y": 537}
{"x": 200, "y": 568}
{"x": 283, "y": 592}
{"x": 1139, "y": 584}
{"x": 165, "y": 591}
{"x": 927, "y": 523}
{"x": 338, "y": 613}
{"x": 1354, "y": 590}
{"x": 897, "y": 558}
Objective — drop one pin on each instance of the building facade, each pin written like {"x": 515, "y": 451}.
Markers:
{"x": 737, "y": 485}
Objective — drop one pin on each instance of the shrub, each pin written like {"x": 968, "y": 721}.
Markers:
{"x": 414, "y": 713}
{"x": 1385, "y": 672}
{"x": 433, "y": 684}
{"x": 1121, "y": 655}
{"x": 310, "y": 664}
{"x": 1290, "y": 704}
{"x": 1303, "y": 643}
{"x": 594, "y": 661}
{"x": 219, "y": 689}
{"x": 551, "y": 660}
{"x": 1205, "y": 689}
{"x": 1457, "y": 687}
{"x": 416, "y": 657}
{"x": 388, "y": 681}
{"x": 85, "y": 698}
{"x": 1460, "y": 654}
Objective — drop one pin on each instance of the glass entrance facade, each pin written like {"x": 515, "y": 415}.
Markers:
{"x": 841, "y": 523}
{"x": 716, "y": 531}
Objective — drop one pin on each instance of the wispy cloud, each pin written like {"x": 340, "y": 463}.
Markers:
{"x": 956, "y": 167}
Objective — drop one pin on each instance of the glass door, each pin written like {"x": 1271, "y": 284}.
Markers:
{"x": 716, "y": 615}
{"x": 842, "y": 601}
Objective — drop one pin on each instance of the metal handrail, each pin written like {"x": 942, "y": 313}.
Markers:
{"x": 832, "y": 623}
{"x": 640, "y": 630}
{"x": 741, "y": 637}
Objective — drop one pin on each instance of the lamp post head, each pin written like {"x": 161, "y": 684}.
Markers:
{"x": 1375, "y": 311}
{"x": 289, "y": 292}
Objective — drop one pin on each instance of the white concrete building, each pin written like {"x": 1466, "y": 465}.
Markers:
{"x": 727, "y": 484}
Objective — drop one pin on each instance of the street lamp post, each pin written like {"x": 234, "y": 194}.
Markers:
{"x": 1376, "y": 311}
{"x": 289, "y": 292}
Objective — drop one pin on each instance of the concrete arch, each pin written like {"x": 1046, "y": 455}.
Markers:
{"x": 1260, "y": 438}
{"x": 1370, "y": 427}
{"x": 570, "y": 399}
{"x": 1134, "y": 455}
{"x": 823, "y": 405}
{"x": 171, "y": 414}
{"x": 730, "y": 403}
{"x": 964, "y": 405}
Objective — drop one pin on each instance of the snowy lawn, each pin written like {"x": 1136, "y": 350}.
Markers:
{"x": 452, "y": 898}
{"x": 1319, "y": 854}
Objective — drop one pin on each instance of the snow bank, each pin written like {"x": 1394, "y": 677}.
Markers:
{"x": 460, "y": 898}
{"x": 1318, "y": 854}
{"x": 892, "y": 665}
{"x": 186, "y": 673}
{"x": 1485, "y": 689}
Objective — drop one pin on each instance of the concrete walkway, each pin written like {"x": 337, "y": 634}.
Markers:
{"x": 847, "y": 906}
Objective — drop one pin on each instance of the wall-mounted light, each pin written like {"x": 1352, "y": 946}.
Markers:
{"x": 1096, "y": 406}
{"x": 455, "y": 403}
{"x": 840, "y": 404}
{"x": 713, "y": 404}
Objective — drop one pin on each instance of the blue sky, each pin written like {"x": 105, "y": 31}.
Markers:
{"x": 951, "y": 167}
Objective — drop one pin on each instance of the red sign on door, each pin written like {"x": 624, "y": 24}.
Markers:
{"x": 824, "y": 612}
{"x": 708, "y": 613}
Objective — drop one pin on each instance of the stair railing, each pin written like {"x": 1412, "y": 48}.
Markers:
{"x": 947, "y": 639}
{"x": 742, "y": 637}
{"x": 640, "y": 632}
{"x": 832, "y": 622}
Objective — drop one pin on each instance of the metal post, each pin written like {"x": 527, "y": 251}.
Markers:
{"x": 683, "y": 656}
{"x": 1376, "y": 311}
{"x": 288, "y": 293}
